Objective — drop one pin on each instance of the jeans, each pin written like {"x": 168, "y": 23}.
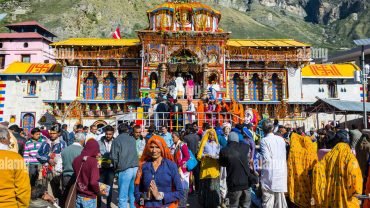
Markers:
{"x": 126, "y": 187}
{"x": 33, "y": 171}
{"x": 107, "y": 177}
{"x": 239, "y": 199}
{"x": 83, "y": 202}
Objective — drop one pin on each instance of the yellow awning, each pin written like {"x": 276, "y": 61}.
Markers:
{"x": 31, "y": 68}
{"x": 345, "y": 70}
{"x": 265, "y": 43}
{"x": 97, "y": 42}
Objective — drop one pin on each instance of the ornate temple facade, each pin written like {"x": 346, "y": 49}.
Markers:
{"x": 108, "y": 76}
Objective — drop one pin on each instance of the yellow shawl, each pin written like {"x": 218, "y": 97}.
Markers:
{"x": 209, "y": 167}
{"x": 301, "y": 160}
{"x": 337, "y": 179}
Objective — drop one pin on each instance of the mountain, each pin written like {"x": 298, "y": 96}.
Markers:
{"x": 331, "y": 24}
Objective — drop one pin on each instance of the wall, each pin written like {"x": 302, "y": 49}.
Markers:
{"x": 294, "y": 85}
{"x": 39, "y": 50}
{"x": 69, "y": 83}
{"x": 311, "y": 90}
{"x": 17, "y": 101}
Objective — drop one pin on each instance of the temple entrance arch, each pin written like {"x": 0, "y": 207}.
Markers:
{"x": 185, "y": 64}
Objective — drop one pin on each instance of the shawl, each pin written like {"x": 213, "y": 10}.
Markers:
{"x": 209, "y": 167}
{"x": 337, "y": 179}
{"x": 301, "y": 160}
{"x": 200, "y": 113}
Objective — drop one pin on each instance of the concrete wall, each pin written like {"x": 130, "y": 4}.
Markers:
{"x": 69, "y": 83}
{"x": 311, "y": 89}
{"x": 294, "y": 85}
{"x": 38, "y": 49}
{"x": 17, "y": 100}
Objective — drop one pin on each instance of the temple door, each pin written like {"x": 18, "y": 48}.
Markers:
{"x": 276, "y": 88}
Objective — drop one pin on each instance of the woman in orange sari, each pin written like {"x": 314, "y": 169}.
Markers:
{"x": 157, "y": 182}
{"x": 337, "y": 178}
{"x": 302, "y": 158}
{"x": 224, "y": 110}
{"x": 200, "y": 109}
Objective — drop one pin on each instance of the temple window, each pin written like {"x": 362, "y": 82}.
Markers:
{"x": 31, "y": 87}
{"x": 256, "y": 88}
{"x": 110, "y": 87}
{"x": 90, "y": 87}
{"x": 26, "y": 58}
{"x": 332, "y": 89}
{"x": 237, "y": 87}
{"x": 277, "y": 88}
{"x": 130, "y": 86}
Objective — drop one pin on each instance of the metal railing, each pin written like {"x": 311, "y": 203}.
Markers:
{"x": 177, "y": 121}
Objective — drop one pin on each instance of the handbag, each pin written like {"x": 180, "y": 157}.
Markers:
{"x": 72, "y": 193}
{"x": 192, "y": 162}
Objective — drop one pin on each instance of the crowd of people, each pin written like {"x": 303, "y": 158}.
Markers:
{"x": 225, "y": 166}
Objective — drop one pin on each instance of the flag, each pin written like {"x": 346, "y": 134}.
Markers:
{"x": 117, "y": 34}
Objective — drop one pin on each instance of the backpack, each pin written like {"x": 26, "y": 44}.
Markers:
{"x": 192, "y": 162}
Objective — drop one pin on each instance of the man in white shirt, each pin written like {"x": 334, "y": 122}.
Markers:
{"x": 274, "y": 168}
{"x": 191, "y": 111}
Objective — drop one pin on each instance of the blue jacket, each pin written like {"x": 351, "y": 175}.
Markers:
{"x": 43, "y": 155}
{"x": 167, "y": 179}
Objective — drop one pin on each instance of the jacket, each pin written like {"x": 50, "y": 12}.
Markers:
{"x": 107, "y": 161}
{"x": 46, "y": 148}
{"x": 88, "y": 179}
{"x": 124, "y": 153}
{"x": 236, "y": 160}
{"x": 15, "y": 184}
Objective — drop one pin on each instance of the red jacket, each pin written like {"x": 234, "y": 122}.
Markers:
{"x": 88, "y": 180}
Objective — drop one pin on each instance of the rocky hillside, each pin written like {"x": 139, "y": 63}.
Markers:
{"x": 322, "y": 23}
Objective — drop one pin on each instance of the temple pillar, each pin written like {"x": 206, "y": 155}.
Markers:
{"x": 162, "y": 75}
{"x": 119, "y": 88}
{"x": 284, "y": 97}
{"x": 100, "y": 88}
{"x": 246, "y": 87}
{"x": 266, "y": 93}
{"x": 205, "y": 76}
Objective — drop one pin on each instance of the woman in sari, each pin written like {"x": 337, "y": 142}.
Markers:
{"x": 301, "y": 160}
{"x": 337, "y": 177}
{"x": 157, "y": 182}
{"x": 224, "y": 111}
{"x": 208, "y": 154}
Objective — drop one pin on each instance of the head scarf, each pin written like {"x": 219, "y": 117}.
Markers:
{"x": 337, "y": 179}
{"x": 204, "y": 141}
{"x": 301, "y": 160}
{"x": 165, "y": 152}
{"x": 226, "y": 124}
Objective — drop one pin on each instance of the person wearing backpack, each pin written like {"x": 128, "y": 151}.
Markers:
{"x": 180, "y": 152}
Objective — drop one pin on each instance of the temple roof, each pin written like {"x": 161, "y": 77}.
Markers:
{"x": 20, "y": 68}
{"x": 133, "y": 42}
{"x": 97, "y": 42}
{"x": 319, "y": 71}
{"x": 29, "y": 24}
{"x": 191, "y": 6}
{"x": 265, "y": 43}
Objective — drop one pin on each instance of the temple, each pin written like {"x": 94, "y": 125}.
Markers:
{"x": 109, "y": 76}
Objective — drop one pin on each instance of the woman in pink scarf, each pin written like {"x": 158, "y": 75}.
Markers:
{"x": 189, "y": 88}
